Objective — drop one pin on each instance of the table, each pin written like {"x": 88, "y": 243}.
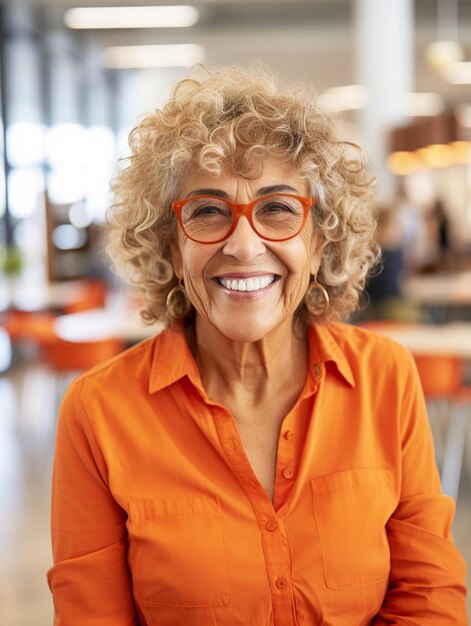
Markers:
{"x": 452, "y": 339}
{"x": 97, "y": 324}
{"x": 444, "y": 288}
{"x": 28, "y": 294}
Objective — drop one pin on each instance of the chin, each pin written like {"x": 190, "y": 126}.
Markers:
{"x": 245, "y": 330}
{"x": 239, "y": 336}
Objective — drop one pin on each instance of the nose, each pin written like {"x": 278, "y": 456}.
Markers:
{"x": 244, "y": 244}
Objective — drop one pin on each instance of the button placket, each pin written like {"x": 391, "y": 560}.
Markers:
{"x": 274, "y": 551}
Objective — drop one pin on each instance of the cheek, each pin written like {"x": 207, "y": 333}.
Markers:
{"x": 194, "y": 261}
{"x": 299, "y": 258}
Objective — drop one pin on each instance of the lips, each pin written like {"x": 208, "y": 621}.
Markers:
{"x": 252, "y": 283}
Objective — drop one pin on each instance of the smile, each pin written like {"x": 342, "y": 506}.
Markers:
{"x": 255, "y": 283}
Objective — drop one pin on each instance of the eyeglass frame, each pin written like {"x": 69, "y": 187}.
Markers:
{"x": 243, "y": 210}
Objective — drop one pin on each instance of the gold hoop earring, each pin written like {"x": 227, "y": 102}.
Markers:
{"x": 178, "y": 302}
{"x": 311, "y": 299}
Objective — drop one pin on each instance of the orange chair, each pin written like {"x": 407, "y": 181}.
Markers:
{"x": 28, "y": 326}
{"x": 90, "y": 294}
{"x": 28, "y": 332}
{"x": 443, "y": 382}
{"x": 441, "y": 375}
{"x": 66, "y": 359}
{"x": 36, "y": 328}
{"x": 67, "y": 356}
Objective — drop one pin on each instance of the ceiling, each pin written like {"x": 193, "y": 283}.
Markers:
{"x": 309, "y": 40}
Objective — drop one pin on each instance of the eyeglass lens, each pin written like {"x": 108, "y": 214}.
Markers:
{"x": 210, "y": 219}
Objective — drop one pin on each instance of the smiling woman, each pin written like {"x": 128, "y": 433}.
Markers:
{"x": 229, "y": 122}
{"x": 258, "y": 462}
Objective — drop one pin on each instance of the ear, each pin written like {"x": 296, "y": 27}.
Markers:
{"x": 316, "y": 255}
{"x": 176, "y": 257}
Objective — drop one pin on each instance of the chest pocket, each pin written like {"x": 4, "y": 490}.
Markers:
{"x": 351, "y": 510}
{"x": 177, "y": 553}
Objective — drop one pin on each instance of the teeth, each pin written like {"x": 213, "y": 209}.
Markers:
{"x": 251, "y": 284}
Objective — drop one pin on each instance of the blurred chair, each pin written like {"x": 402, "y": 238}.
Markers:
{"x": 441, "y": 375}
{"x": 449, "y": 402}
{"x": 27, "y": 330}
{"x": 66, "y": 359}
{"x": 63, "y": 359}
{"x": 34, "y": 330}
{"x": 89, "y": 294}
{"x": 443, "y": 378}
{"x": 67, "y": 356}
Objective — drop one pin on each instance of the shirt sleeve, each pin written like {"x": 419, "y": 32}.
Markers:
{"x": 90, "y": 579}
{"x": 426, "y": 585}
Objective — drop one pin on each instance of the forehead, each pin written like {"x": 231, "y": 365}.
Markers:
{"x": 273, "y": 171}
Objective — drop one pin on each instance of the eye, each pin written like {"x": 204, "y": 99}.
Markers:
{"x": 207, "y": 209}
{"x": 277, "y": 206}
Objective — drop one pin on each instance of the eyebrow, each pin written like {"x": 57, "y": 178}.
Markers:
{"x": 263, "y": 191}
{"x": 219, "y": 193}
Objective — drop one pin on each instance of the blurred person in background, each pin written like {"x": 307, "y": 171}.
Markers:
{"x": 384, "y": 286}
{"x": 438, "y": 237}
{"x": 259, "y": 461}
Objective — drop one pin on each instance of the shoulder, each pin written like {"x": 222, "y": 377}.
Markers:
{"x": 121, "y": 374}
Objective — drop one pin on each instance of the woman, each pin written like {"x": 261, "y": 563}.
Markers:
{"x": 258, "y": 462}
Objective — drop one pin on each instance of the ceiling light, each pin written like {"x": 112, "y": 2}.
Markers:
{"x": 423, "y": 104}
{"x": 436, "y": 155}
{"x": 461, "y": 151}
{"x": 440, "y": 53}
{"x": 403, "y": 163}
{"x": 346, "y": 98}
{"x": 131, "y": 17}
{"x": 175, "y": 55}
{"x": 458, "y": 73}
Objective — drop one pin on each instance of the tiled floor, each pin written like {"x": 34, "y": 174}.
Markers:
{"x": 26, "y": 448}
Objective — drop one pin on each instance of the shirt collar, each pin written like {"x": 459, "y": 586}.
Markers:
{"x": 172, "y": 358}
{"x": 324, "y": 348}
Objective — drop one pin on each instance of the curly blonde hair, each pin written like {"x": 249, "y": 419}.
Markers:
{"x": 234, "y": 116}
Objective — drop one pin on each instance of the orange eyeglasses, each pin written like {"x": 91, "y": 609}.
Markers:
{"x": 275, "y": 217}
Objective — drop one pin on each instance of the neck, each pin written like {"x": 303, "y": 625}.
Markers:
{"x": 258, "y": 369}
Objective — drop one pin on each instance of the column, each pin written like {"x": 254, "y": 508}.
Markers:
{"x": 384, "y": 64}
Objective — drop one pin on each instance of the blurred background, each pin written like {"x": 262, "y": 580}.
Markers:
{"x": 74, "y": 78}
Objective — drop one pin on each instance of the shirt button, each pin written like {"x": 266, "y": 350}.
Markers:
{"x": 317, "y": 369}
{"x": 287, "y": 473}
{"x": 271, "y": 526}
{"x": 289, "y": 434}
{"x": 281, "y": 583}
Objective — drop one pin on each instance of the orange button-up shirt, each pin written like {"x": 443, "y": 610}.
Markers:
{"x": 159, "y": 520}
